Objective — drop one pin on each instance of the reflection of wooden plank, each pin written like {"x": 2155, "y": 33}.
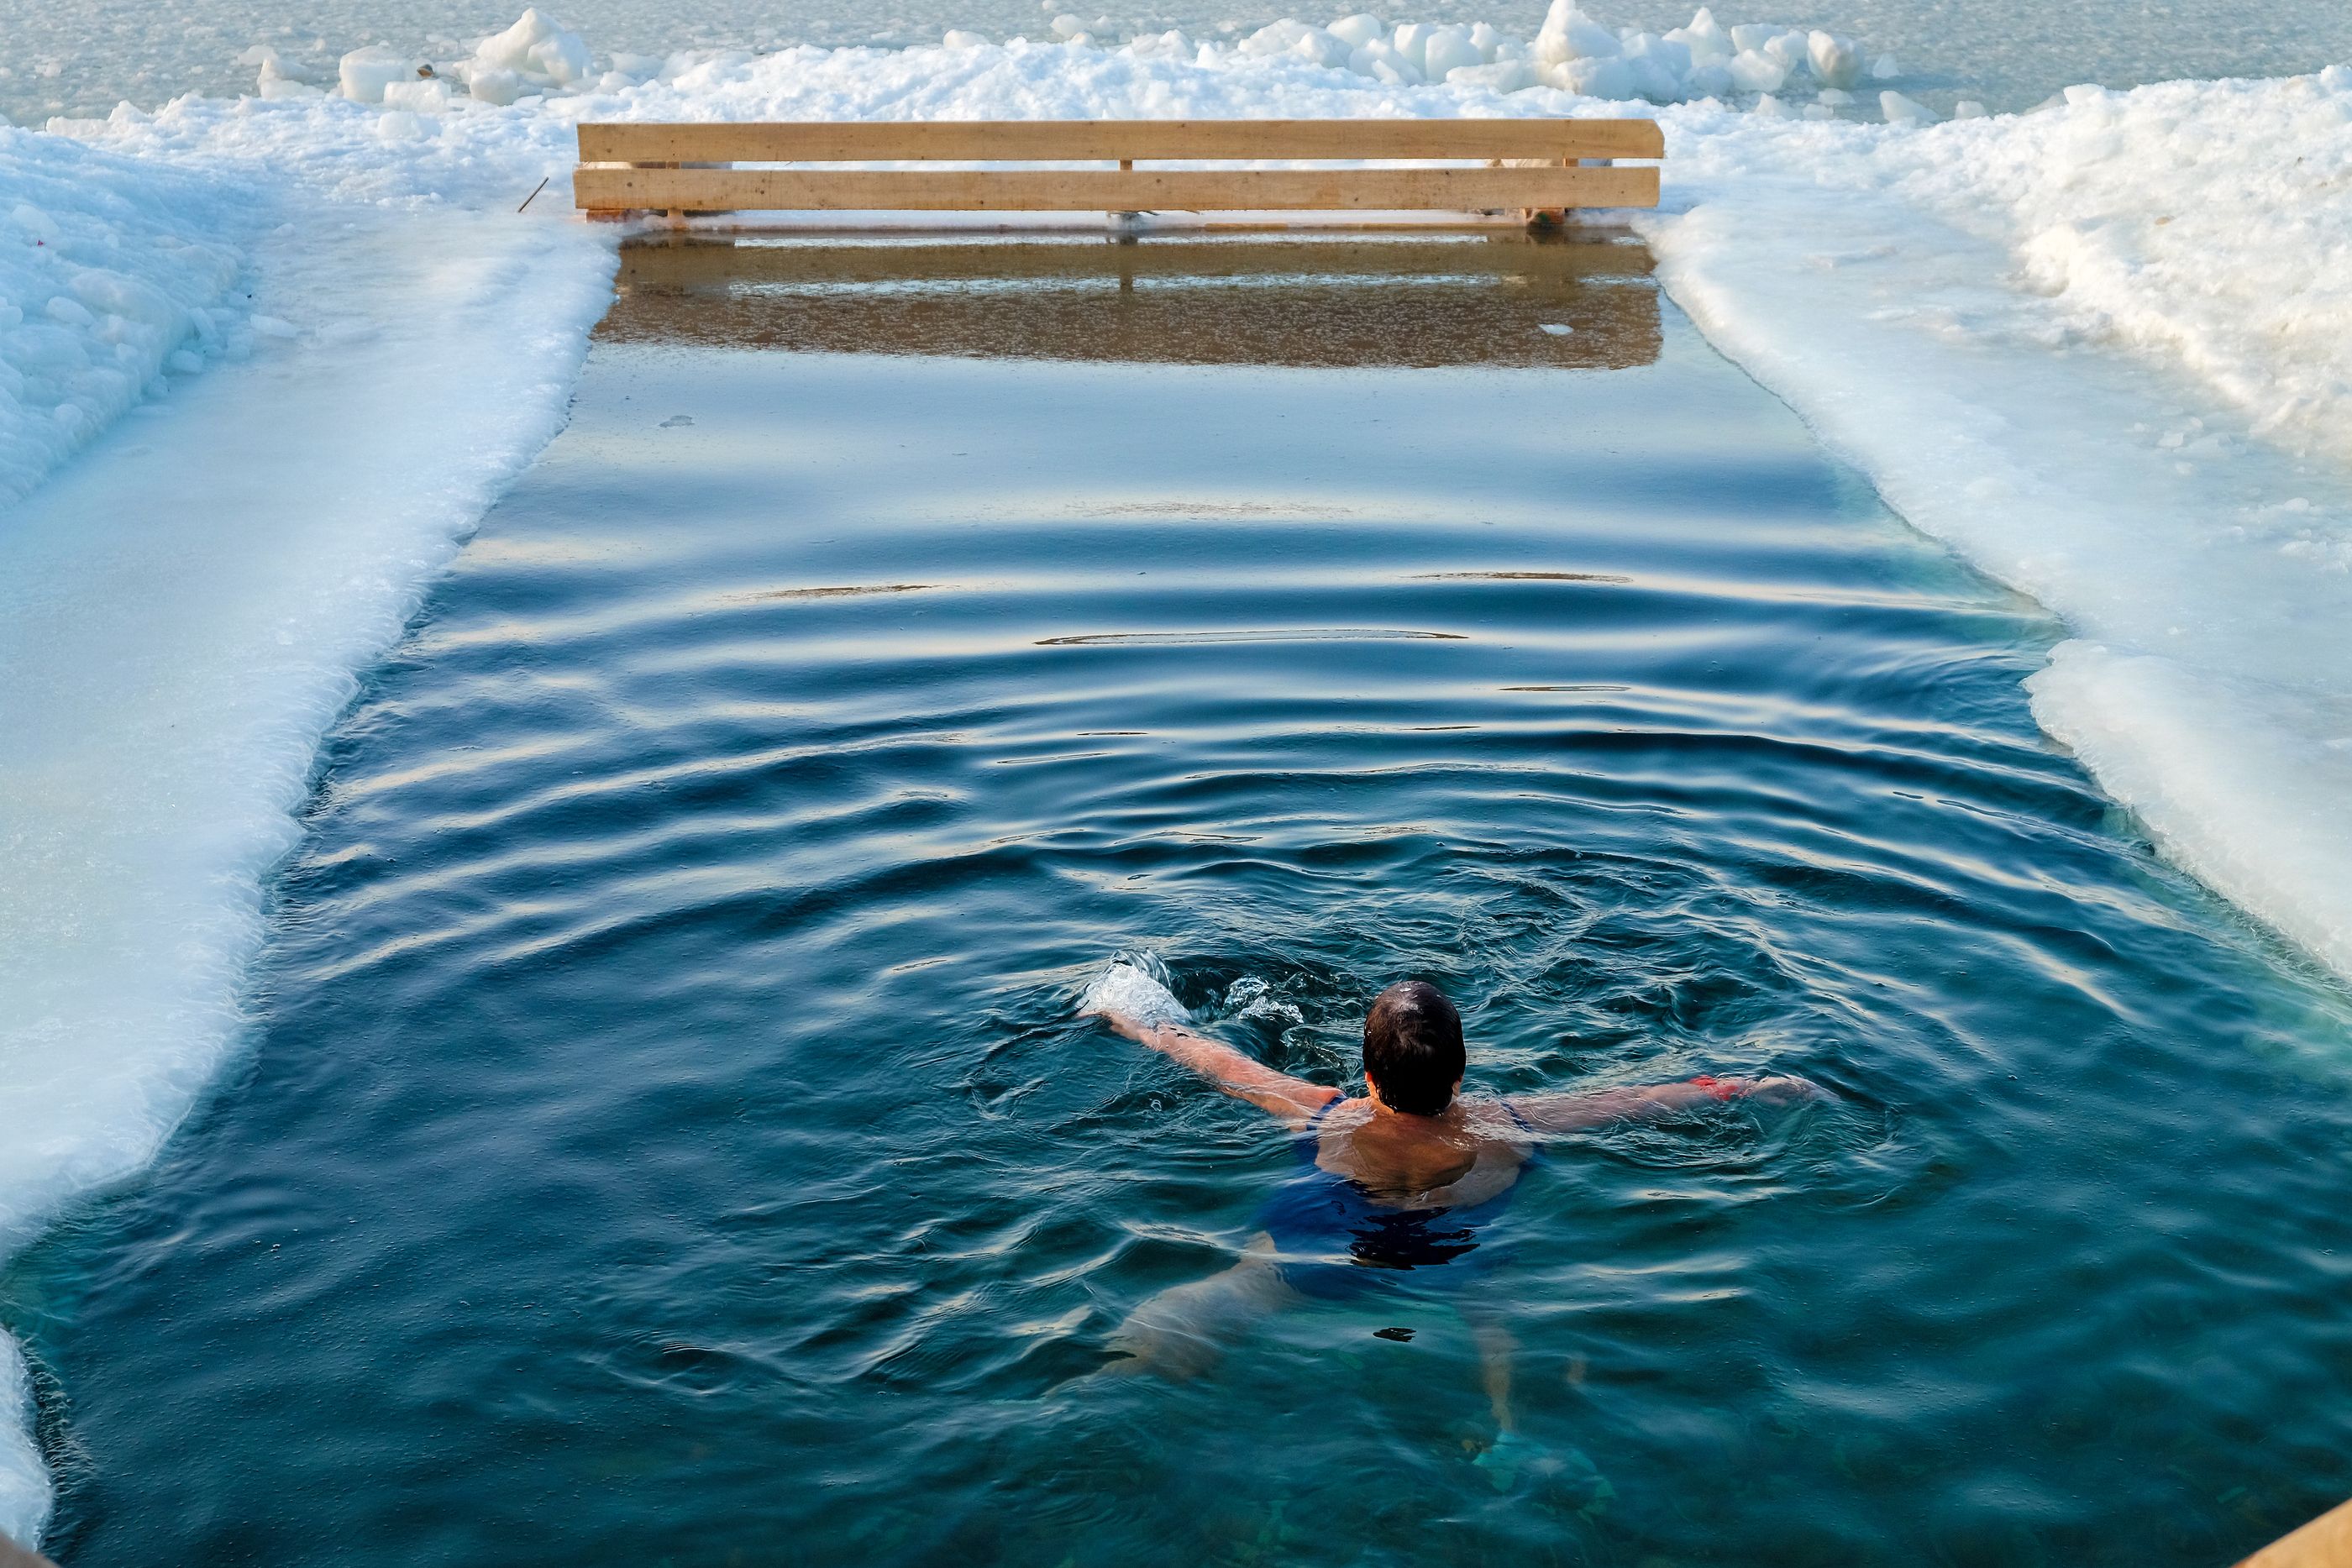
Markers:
{"x": 1045, "y": 141}
{"x": 2325, "y": 1542}
{"x": 1114, "y": 189}
{"x": 683, "y": 263}
{"x": 1404, "y": 304}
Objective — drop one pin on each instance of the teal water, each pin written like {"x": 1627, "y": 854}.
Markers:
{"x": 666, "y": 1137}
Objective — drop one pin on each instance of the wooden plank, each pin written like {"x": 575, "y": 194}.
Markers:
{"x": 2325, "y": 1542}
{"x": 1047, "y": 141}
{"x": 1113, "y": 190}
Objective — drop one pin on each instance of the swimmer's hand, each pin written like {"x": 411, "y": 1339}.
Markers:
{"x": 1139, "y": 1006}
{"x": 1132, "y": 999}
{"x": 1135, "y": 1028}
{"x": 1787, "y": 1091}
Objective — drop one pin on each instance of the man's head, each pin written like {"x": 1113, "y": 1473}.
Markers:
{"x": 1412, "y": 1048}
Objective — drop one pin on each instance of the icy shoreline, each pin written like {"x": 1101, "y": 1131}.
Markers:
{"x": 184, "y": 610}
{"x": 2104, "y": 349}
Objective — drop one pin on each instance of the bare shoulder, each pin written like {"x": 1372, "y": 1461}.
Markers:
{"x": 1496, "y": 1121}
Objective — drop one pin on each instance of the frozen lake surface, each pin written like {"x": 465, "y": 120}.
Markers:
{"x": 83, "y": 58}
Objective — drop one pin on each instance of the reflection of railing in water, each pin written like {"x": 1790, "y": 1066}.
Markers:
{"x": 1505, "y": 300}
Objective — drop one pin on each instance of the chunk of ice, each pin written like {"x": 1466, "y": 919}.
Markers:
{"x": 1752, "y": 71}
{"x": 426, "y": 95}
{"x": 364, "y": 73}
{"x": 539, "y": 50}
{"x": 1567, "y": 33}
{"x": 1836, "y": 62}
{"x": 1448, "y": 49}
{"x": 494, "y": 86}
{"x": 1706, "y": 39}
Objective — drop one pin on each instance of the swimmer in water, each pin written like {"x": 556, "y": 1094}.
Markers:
{"x": 1401, "y": 1177}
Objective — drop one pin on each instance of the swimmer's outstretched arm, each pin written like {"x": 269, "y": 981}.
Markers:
{"x": 1600, "y": 1107}
{"x": 1293, "y": 1100}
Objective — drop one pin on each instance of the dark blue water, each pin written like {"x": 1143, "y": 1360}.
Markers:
{"x": 666, "y": 1139}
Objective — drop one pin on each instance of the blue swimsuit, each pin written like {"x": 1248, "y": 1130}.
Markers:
{"x": 1332, "y": 1239}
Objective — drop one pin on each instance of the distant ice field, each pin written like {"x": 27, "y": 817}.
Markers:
{"x": 83, "y": 58}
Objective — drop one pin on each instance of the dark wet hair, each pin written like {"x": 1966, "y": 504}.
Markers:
{"x": 1412, "y": 1048}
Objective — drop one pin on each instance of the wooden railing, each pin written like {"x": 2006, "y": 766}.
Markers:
{"x": 1528, "y": 166}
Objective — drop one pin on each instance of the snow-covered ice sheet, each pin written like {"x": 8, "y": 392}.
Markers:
{"x": 183, "y": 613}
{"x": 2105, "y": 348}
{"x": 2106, "y": 351}
{"x": 83, "y": 57}
{"x": 113, "y": 273}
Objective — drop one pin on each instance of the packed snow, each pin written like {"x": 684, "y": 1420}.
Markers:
{"x": 264, "y": 361}
{"x": 115, "y": 279}
{"x": 2106, "y": 351}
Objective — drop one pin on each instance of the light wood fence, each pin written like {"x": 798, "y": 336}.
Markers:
{"x": 1527, "y": 166}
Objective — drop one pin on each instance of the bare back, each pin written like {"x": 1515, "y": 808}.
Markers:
{"x": 1469, "y": 1152}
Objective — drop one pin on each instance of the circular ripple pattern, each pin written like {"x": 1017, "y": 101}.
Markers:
{"x": 668, "y": 1140}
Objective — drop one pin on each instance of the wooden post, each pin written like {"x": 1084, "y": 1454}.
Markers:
{"x": 1552, "y": 218}
{"x": 1127, "y": 282}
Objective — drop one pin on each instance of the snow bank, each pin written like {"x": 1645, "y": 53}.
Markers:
{"x": 114, "y": 279}
{"x": 23, "y": 1484}
{"x": 2106, "y": 351}
{"x": 184, "y": 610}
{"x": 183, "y": 615}
{"x": 2102, "y": 348}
